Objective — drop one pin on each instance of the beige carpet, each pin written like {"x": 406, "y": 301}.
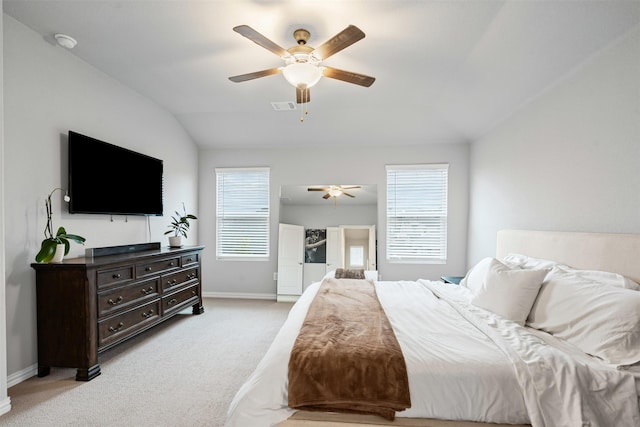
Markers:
{"x": 182, "y": 373}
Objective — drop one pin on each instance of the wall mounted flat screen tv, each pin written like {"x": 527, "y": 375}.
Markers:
{"x": 107, "y": 179}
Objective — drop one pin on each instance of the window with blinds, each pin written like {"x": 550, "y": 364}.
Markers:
{"x": 242, "y": 213}
{"x": 417, "y": 213}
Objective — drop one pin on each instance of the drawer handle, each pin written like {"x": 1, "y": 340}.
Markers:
{"x": 191, "y": 276}
{"x": 116, "y": 276}
{"x": 172, "y": 282}
{"x": 116, "y": 328}
{"x": 172, "y": 301}
{"x": 147, "y": 291}
{"x": 189, "y": 259}
{"x": 148, "y": 314}
{"x": 172, "y": 263}
{"x": 193, "y": 293}
{"x": 147, "y": 269}
{"x": 117, "y": 301}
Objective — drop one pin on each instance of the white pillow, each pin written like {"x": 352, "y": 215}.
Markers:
{"x": 528, "y": 263}
{"x": 474, "y": 279}
{"x": 603, "y": 321}
{"x": 604, "y": 278}
{"x": 509, "y": 292}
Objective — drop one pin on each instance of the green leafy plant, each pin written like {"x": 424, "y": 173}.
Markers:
{"x": 180, "y": 223}
{"x": 48, "y": 246}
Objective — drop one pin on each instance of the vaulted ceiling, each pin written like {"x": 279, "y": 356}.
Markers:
{"x": 446, "y": 71}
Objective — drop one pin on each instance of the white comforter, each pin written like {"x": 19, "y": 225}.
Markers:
{"x": 464, "y": 363}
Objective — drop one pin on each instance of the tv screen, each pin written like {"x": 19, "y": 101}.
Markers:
{"x": 107, "y": 179}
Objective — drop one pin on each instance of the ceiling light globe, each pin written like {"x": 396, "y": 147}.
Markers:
{"x": 302, "y": 75}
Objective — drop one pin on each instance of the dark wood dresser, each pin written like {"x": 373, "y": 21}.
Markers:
{"x": 87, "y": 305}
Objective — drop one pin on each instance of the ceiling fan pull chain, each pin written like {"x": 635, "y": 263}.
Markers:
{"x": 305, "y": 104}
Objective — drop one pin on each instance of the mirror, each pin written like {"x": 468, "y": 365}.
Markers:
{"x": 366, "y": 194}
{"x": 310, "y": 209}
{"x": 299, "y": 206}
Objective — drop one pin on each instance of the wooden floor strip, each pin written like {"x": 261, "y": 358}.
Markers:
{"x": 322, "y": 419}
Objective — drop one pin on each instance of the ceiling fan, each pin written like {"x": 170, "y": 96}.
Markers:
{"x": 302, "y": 63}
{"x": 334, "y": 190}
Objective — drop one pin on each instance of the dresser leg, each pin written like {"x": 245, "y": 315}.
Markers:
{"x": 84, "y": 374}
{"x": 198, "y": 308}
{"x": 43, "y": 371}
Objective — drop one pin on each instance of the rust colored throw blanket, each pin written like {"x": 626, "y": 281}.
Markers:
{"x": 346, "y": 357}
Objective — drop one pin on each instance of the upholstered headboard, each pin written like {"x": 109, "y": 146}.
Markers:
{"x": 618, "y": 253}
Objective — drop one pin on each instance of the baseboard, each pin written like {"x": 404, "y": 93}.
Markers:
{"x": 5, "y": 405}
{"x": 25, "y": 374}
{"x": 288, "y": 298}
{"x": 238, "y": 295}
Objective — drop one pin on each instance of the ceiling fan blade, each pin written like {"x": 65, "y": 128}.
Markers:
{"x": 349, "y": 195}
{"x": 326, "y": 196}
{"x": 255, "y": 75}
{"x": 348, "y": 76}
{"x": 349, "y": 188}
{"x": 317, "y": 189}
{"x": 342, "y": 40}
{"x": 303, "y": 95}
{"x": 259, "y": 39}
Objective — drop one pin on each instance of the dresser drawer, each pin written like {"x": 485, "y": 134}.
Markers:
{"x": 176, "y": 280}
{"x": 119, "y": 327}
{"x": 114, "y": 276}
{"x": 179, "y": 300}
{"x": 190, "y": 259}
{"x": 156, "y": 267}
{"x": 120, "y": 298}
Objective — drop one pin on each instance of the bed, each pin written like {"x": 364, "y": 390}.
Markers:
{"x": 468, "y": 365}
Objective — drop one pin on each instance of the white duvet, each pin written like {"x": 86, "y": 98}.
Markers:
{"x": 464, "y": 363}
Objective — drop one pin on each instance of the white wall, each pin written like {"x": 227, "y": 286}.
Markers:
{"x": 292, "y": 167}
{"x": 48, "y": 91}
{"x": 5, "y": 401}
{"x": 568, "y": 161}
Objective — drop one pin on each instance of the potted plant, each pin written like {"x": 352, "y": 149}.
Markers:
{"x": 54, "y": 248}
{"x": 179, "y": 227}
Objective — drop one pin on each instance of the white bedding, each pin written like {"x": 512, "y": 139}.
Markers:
{"x": 464, "y": 363}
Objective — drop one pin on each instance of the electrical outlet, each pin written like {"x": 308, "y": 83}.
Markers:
{"x": 275, "y": 276}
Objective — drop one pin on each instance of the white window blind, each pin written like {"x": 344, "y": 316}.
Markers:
{"x": 417, "y": 213}
{"x": 242, "y": 213}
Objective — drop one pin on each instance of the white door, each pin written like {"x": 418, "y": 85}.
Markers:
{"x": 290, "y": 261}
{"x": 335, "y": 248}
{"x": 373, "y": 262}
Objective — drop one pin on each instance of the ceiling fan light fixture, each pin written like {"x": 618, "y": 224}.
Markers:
{"x": 334, "y": 192}
{"x": 302, "y": 75}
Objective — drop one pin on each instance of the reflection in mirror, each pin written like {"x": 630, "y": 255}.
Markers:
{"x": 345, "y": 194}
{"x": 314, "y": 211}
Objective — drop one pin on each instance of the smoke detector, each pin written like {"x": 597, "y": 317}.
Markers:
{"x": 65, "y": 41}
